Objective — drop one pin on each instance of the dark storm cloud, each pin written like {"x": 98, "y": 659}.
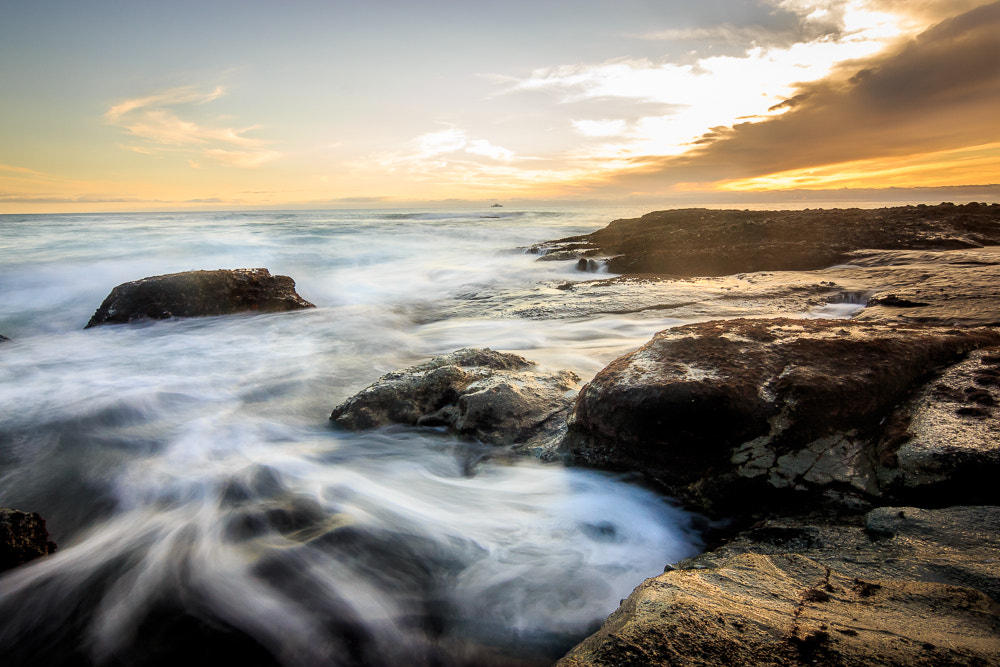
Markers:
{"x": 939, "y": 91}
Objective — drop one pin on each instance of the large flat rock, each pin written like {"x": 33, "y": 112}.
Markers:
{"x": 791, "y": 610}
{"x": 704, "y": 242}
{"x": 739, "y": 416}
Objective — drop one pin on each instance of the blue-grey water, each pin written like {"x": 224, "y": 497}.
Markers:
{"x": 204, "y": 507}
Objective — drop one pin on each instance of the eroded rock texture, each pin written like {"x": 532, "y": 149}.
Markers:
{"x": 730, "y": 414}
{"x": 791, "y": 610}
{"x": 493, "y": 396}
{"x": 199, "y": 294}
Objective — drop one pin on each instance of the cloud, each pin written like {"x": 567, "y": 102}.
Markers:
{"x": 791, "y": 22}
{"x": 437, "y": 149}
{"x": 172, "y": 97}
{"x": 937, "y": 92}
{"x": 155, "y": 121}
{"x": 600, "y": 128}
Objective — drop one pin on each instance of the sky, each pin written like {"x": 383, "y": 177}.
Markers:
{"x": 138, "y": 105}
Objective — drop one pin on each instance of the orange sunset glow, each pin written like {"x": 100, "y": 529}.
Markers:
{"x": 222, "y": 104}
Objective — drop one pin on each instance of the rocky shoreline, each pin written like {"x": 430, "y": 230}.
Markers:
{"x": 845, "y": 467}
{"x": 810, "y": 434}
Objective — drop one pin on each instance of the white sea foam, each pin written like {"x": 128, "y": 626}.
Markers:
{"x": 187, "y": 469}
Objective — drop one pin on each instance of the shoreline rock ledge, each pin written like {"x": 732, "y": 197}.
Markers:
{"x": 748, "y": 417}
{"x": 199, "y": 294}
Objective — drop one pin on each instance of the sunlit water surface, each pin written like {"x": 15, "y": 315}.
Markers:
{"x": 205, "y": 508}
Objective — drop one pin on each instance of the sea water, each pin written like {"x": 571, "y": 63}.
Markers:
{"x": 206, "y": 509}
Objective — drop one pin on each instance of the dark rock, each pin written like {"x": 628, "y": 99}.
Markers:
{"x": 199, "y": 294}
{"x": 23, "y": 538}
{"x": 3, "y": 338}
{"x": 893, "y": 301}
{"x": 590, "y": 265}
{"x": 493, "y": 396}
{"x": 703, "y": 242}
{"x": 741, "y": 415}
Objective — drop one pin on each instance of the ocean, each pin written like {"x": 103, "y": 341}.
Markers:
{"x": 205, "y": 507}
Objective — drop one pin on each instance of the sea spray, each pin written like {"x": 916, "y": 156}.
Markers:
{"x": 204, "y": 507}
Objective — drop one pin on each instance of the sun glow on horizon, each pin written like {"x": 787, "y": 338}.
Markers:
{"x": 976, "y": 164}
{"x": 668, "y": 105}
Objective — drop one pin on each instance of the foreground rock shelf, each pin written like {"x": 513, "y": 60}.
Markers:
{"x": 739, "y": 417}
{"x": 805, "y": 434}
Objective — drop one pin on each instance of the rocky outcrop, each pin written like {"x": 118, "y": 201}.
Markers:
{"x": 23, "y": 538}
{"x": 3, "y": 338}
{"x": 738, "y": 416}
{"x": 907, "y": 586}
{"x": 703, "y": 242}
{"x": 199, "y": 294}
{"x": 494, "y": 397}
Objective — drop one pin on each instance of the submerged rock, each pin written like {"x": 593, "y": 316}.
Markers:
{"x": 741, "y": 415}
{"x": 495, "y": 397}
{"x": 23, "y": 538}
{"x": 199, "y": 294}
{"x": 703, "y": 242}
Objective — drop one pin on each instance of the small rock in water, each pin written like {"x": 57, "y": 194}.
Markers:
{"x": 23, "y": 538}
{"x": 492, "y": 396}
{"x": 199, "y": 294}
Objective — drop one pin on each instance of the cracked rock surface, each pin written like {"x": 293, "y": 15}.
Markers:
{"x": 736, "y": 416}
{"x": 789, "y": 609}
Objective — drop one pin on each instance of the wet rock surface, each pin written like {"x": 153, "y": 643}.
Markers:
{"x": 810, "y": 437}
{"x": 199, "y": 294}
{"x": 495, "y": 397}
{"x": 739, "y": 416}
{"x": 23, "y": 538}
{"x": 788, "y": 609}
{"x": 899, "y": 586}
{"x": 703, "y": 242}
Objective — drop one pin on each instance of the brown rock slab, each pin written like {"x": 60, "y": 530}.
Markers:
{"x": 703, "y": 242}
{"x": 199, "y": 294}
{"x": 495, "y": 397}
{"x": 951, "y": 545}
{"x": 791, "y": 610}
{"x": 725, "y": 413}
{"x": 23, "y": 538}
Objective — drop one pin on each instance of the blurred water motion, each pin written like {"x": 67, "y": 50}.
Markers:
{"x": 206, "y": 510}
